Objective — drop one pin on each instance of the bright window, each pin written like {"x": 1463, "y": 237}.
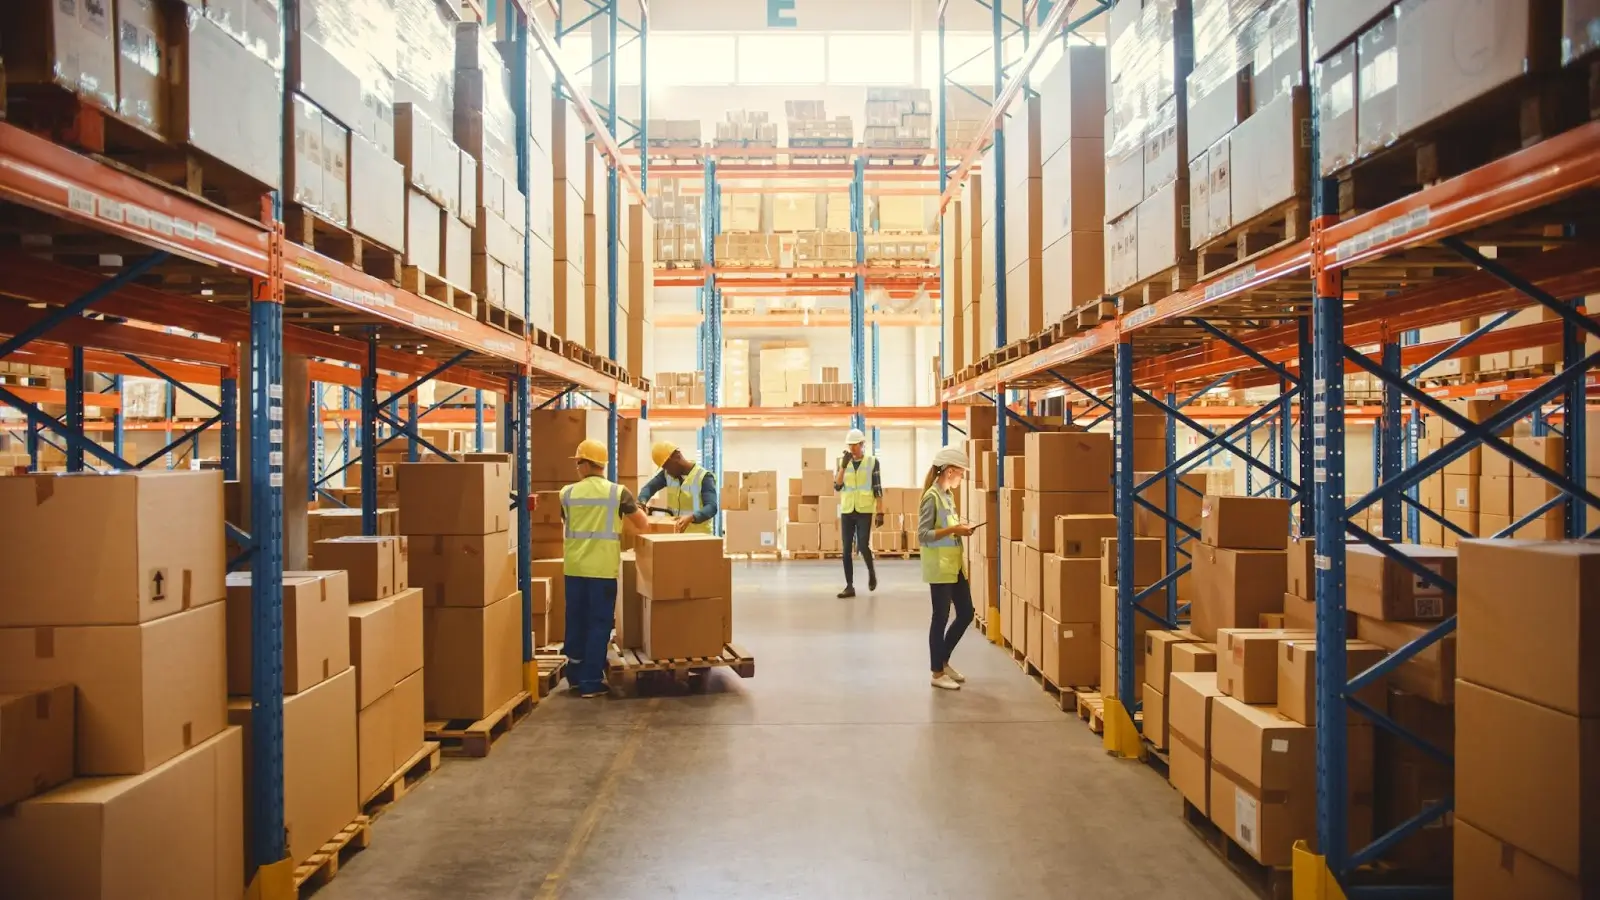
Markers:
{"x": 690, "y": 59}
{"x": 876, "y": 59}
{"x": 782, "y": 59}
{"x": 968, "y": 58}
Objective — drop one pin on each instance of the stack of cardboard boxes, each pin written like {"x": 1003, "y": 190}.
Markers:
{"x": 1240, "y": 565}
{"x": 978, "y": 267}
{"x": 751, "y": 521}
{"x": 785, "y": 365}
{"x": 898, "y": 117}
{"x": 980, "y": 503}
{"x": 115, "y": 672}
{"x": 685, "y": 586}
{"x": 1148, "y": 567}
{"x": 386, "y": 648}
{"x": 813, "y": 507}
{"x": 569, "y": 168}
{"x": 637, "y": 346}
{"x": 953, "y": 248}
{"x": 680, "y": 389}
{"x": 736, "y": 373}
{"x": 455, "y": 518}
{"x": 677, "y": 217}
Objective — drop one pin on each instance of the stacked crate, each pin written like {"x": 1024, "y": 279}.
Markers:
{"x": 678, "y": 224}
{"x": 809, "y": 125}
{"x": 824, "y": 249}
{"x": 639, "y": 348}
{"x": 485, "y": 127}
{"x": 813, "y": 507}
{"x": 1071, "y": 187}
{"x": 1151, "y": 51}
{"x": 751, "y": 520}
{"x": 898, "y": 118}
{"x": 438, "y": 229}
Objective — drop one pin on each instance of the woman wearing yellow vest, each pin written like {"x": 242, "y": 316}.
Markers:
{"x": 689, "y": 491}
{"x": 944, "y": 568}
{"x": 592, "y": 511}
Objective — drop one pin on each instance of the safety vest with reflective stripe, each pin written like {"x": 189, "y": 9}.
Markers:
{"x": 593, "y": 535}
{"x": 942, "y": 560}
{"x": 683, "y": 497}
{"x": 857, "y": 494}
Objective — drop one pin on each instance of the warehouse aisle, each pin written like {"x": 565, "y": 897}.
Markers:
{"x": 835, "y": 772}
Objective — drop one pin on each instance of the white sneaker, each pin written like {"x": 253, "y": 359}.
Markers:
{"x": 945, "y": 682}
{"x": 955, "y": 676}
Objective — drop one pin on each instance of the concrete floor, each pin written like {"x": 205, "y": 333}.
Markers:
{"x": 835, "y": 772}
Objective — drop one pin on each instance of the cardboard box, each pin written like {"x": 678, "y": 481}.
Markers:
{"x": 1247, "y": 662}
{"x": 157, "y": 546}
{"x": 1488, "y": 868}
{"x": 409, "y": 718}
{"x": 1297, "y": 678}
{"x": 1036, "y": 637}
{"x": 1451, "y": 57}
{"x": 35, "y": 741}
{"x": 1188, "y": 713}
{"x": 69, "y": 46}
{"x": 1303, "y": 568}
{"x": 324, "y": 524}
{"x": 1382, "y": 588}
{"x": 373, "y": 631}
{"x": 1080, "y": 536}
{"x": 1070, "y": 589}
{"x": 1070, "y": 657}
{"x": 1158, "y": 647}
{"x": 1525, "y": 601}
{"x": 681, "y": 565}
{"x": 463, "y": 569}
{"x": 1044, "y": 508}
{"x": 1431, "y": 673}
{"x": 1193, "y": 657}
{"x": 1523, "y": 773}
{"x": 814, "y": 458}
{"x": 454, "y": 498}
{"x": 752, "y": 531}
{"x": 320, "y": 761}
{"x": 238, "y": 119}
{"x": 408, "y": 626}
{"x": 1013, "y": 514}
{"x": 1110, "y": 682}
{"x": 1234, "y": 587}
{"x": 816, "y": 483}
{"x": 374, "y": 745}
{"x": 145, "y": 693}
{"x": 473, "y": 658}
{"x": 1263, "y": 779}
{"x": 114, "y": 837}
{"x": 316, "y": 642}
{"x": 1068, "y": 461}
{"x": 375, "y": 567}
{"x": 1245, "y": 523}
{"x": 1147, "y": 561}
{"x": 1378, "y": 61}
{"x": 680, "y": 627}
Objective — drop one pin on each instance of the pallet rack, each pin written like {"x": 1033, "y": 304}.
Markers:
{"x": 134, "y": 253}
{"x": 1293, "y": 318}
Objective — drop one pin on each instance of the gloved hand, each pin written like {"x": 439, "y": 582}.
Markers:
{"x": 877, "y": 520}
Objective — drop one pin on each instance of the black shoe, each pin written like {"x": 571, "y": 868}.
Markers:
{"x": 872, "y": 582}
{"x": 600, "y": 691}
{"x": 847, "y": 593}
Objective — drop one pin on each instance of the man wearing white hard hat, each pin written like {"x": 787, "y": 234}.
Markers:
{"x": 860, "y": 490}
{"x": 689, "y": 491}
{"x": 944, "y": 567}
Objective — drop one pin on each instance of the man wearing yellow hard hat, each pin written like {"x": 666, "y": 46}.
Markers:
{"x": 592, "y": 512}
{"x": 860, "y": 488}
{"x": 689, "y": 491}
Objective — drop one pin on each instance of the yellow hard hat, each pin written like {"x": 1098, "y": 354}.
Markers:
{"x": 592, "y": 451}
{"x": 661, "y": 451}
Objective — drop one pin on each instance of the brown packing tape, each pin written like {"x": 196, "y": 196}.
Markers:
{"x": 1271, "y": 798}
{"x": 44, "y": 487}
{"x": 41, "y": 705}
{"x": 188, "y": 588}
{"x": 1186, "y": 741}
{"x": 188, "y": 735}
{"x": 44, "y": 643}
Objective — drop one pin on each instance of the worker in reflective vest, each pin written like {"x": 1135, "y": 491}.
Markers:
{"x": 592, "y": 512}
{"x": 944, "y": 567}
{"x": 689, "y": 492}
{"x": 860, "y": 488}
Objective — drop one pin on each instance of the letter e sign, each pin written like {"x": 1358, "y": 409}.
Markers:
{"x": 780, "y": 14}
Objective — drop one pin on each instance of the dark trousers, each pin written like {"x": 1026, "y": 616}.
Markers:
{"x": 591, "y": 611}
{"x": 856, "y": 528}
{"x": 942, "y": 641}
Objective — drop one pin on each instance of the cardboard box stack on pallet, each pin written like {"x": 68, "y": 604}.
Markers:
{"x": 386, "y": 648}
{"x": 1147, "y": 188}
{"x": 785, "y": 365}
{"x": 636, "y": 347}
{"x": 813, "y": 507}
{"x": 977, "y": 255}
{"x": 980, "y": 502}
{"x": 747, "y": 128}
{"x": 679, "y": 389}
{"x": 809, "y": 125}
{"x": 1071, "y": 185}
{"x": 677, "y": 217}
{"x": 736, "y": 373}
{"x": 828, "y": 392}
{"x": 898, "y": 117}
{"x": 569, "y": 168}
{"x": 684, "y": 585}
{"x": 954, "y": 292}
{"x": 751, "y": 519}
{"x": 455, "y": 519}
{"x": 1248, "y": 112}
{"x": 824, "y": 249}
{"x": 674, "y": 132}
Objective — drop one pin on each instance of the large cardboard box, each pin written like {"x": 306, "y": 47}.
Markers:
{"x": 409, "y": 718}
{"x": 1234, "y": 587}
{"x": 1070, "y": 657}
{"x": 473, "y": 657}
{"x": 1523, "y": 601}
{"x": 373, "y": 628}
{"x": 1070, "y": 589}
{"x": 1147, "y": 561}
{"x": 1430, "y": 673}
{"x": 1525, "y": 773}
{"x": 462, "y": 569}
{"x": 1297, "y": 678}
{"x": 1488, "y": 868}
{"x": 1263, "y": 779}
{"x": 1110, "y": 682}
{"x": 1043, "y": 508}
{"x": 35, "y": 741}
{"x": 751, "y": 531}
{"x": 679, "y": 627}
{"x": 374, "y": 745}
{"x": 408, "y": 643}
{"x": 1245, "y": 523}
{"x": 316, "y": 642}
{"x": 156, "y": 543}
{"x": 67, "y": 45}
{"x": 1382, "y": 588}
{"x": 1303, "y": 568}
{"x": 1080, "y": 536}
{"x": 1193, "y": 657}
{"x": 320, "y": 761}
{"x": 145, "y": 692}
{"x": 681, "y": 565}
{"x": 114, "y": 838}
{"x": 1452, "y": 55}
{"x": 1188, "y": 711}
{"x": 1247, "y": 662}
{"x": 1068, "y": 461}
{"x": 375, "y": 567}
{"x": 1158, "y": 646}
{"x": 454, "y": 498}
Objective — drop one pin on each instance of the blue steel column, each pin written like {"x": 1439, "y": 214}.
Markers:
{"x": 229, "y": 434}
{"x": 266, "y": 563}
{"x": 858, "y": 310}
{"x": 1576, "y": 443}
{"x": 516, "y": 419}
{"x": 1391, "y": 446}
{"x": 613, "y": 216}
{"x": 369, "y": 438}
{"x": 75, "y": 408}
{"x": 118, "y": 433}
{"x": 1308, "y": 430}
{"x": 1122, "y": 475}
{"x": 1172, "y": 501}
{"x": 413, "y": 418}
{"x": 477, "y": 420}
{"x": 314, "y": 438}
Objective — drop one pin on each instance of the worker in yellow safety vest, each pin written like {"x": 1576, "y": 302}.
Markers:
{"x": 944, "y": 567}
{"x": 592, "y": 513}
{"x": 860, "y": 488}
{"x": 689, "y": 491}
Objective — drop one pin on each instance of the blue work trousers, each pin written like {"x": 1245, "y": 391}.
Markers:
{"x": 591, "y": 610}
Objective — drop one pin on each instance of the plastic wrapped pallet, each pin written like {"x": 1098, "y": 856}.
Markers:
{"x": 343, "y": 58}
{"x": 425, "y": 58}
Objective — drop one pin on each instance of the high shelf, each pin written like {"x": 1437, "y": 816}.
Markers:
{"x": 1294, "y": 319}
{"x": 141, "y": 278}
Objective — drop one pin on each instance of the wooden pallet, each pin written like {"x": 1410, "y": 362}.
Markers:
{"x": 547, "y": 341}
{"x": 503, "y": 319}
{"x": 11, "y": 380}
{"x": 322, "y": 866}
{"x": 1268, "y": 882}
{"x": 1091, "y": 314}
{"x": 460, "y": 737}
{"x": 1157, "y": 759}
{"x": 1157, "y": 287}
{"x": 1284, "y": 224}
{"x": 626, "y": 668}
{"x": 1091, "y": 709}
{"x": 421, "y": 764}
{"x": 552, "y": 668}
{"x": 310, "y": 229}
{"x": 773, "y": 556}
{"x": 1066, "y": 697}
{"x": 425, "y": 284}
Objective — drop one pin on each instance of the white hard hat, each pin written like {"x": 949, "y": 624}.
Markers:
{"x": 949, "y": 456}
{"x": 854, "y": 436}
